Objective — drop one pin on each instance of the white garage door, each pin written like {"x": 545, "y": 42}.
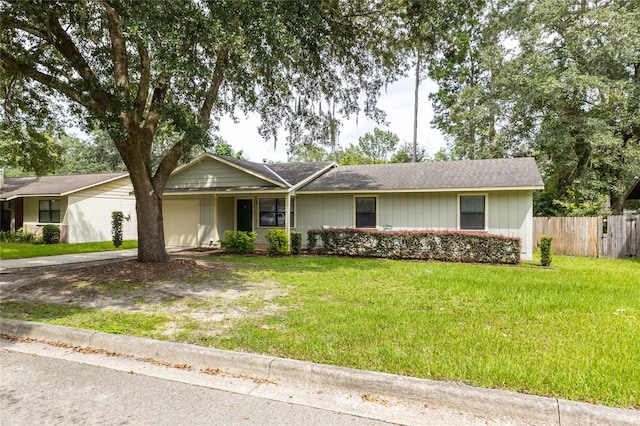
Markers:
{"x": 181, "y": 221}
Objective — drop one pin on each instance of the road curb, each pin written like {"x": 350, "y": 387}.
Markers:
{"x": 490, "y": 403}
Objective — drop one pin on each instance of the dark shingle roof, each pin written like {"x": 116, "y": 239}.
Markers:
{"x": 292, "y": 173}
{"x": 634, "y": 192}
{"x": 53, "y": 185}
{"x": 466, "y": 174}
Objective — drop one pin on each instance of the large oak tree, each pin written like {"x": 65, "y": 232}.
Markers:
{"x": 133, "y": 67}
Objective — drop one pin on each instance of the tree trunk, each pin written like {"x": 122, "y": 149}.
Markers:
{"x": 151, "y": 246}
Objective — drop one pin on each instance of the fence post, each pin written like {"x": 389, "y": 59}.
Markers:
{"x": 600, "y": 249}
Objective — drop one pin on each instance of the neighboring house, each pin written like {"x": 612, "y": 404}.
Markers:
{"x": 634, "y": 192}
{"x": 214, "y": 193}
{"x": 80, "y": 204}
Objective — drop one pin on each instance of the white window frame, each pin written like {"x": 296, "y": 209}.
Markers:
{"x": 295, "y": 214}
{"x": 355, "y": 212}
{"x": 486, "y": 211}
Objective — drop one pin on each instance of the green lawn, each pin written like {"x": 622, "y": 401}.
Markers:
{"x": 571, "y": 331}
{"x": 21, "y": 251}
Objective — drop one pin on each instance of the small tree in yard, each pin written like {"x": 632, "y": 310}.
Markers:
{"x": 137, "y": 69}
{"x": 116, "y": 228}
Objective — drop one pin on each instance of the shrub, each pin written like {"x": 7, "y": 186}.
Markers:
{"x": 312, "y": 239}
{"x": 51, "y": 234}
{"x": 238, "y": 242}
{"x": 278, "y": 242}
{"x": 545, "y": 250}
{"x": 116, "y": 228}
{"x": 22, "y": 235}
{"x": 427, "y": 245}
{"x": 296, "y": 242}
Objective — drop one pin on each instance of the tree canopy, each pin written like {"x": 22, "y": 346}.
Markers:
{"x": 557, "y": 79}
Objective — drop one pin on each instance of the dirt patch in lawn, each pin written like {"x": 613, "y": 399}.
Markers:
{"x": 195, "y": 292}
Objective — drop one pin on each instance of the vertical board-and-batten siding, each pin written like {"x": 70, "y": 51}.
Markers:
{"x": 511, "y": 214}
{"x": 418, "y": 210}
{"x": 210, "y": 173}
{"x": 88, "y": 214}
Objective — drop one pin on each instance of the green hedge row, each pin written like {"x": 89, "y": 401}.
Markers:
{"x": 448, "y": 246}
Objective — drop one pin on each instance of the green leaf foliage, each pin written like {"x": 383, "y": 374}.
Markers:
{"x": 554, "y": 79}
{"x": 238, "y": 242}
{"x": 278, "y": 242}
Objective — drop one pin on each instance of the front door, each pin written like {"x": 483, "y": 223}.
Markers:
{"x": 244, "y": 215}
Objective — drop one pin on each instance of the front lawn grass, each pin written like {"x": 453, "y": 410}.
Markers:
{"x": 23, "y": 251}
{"x": 571, "y": 331}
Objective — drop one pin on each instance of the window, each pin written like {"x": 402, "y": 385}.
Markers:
{"x": 365, "y": 212}
{"x": 472, "y": 212}
{"x": 272, "y": 212}
{"x": 49, "y": 211}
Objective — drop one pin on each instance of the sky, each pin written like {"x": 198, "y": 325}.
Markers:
{"x": 396, "y": 101}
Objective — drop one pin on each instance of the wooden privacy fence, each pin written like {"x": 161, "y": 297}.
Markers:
{"x": 614, "y": 236}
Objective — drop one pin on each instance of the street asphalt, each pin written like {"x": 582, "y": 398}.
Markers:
{"x": 495, "y": 406}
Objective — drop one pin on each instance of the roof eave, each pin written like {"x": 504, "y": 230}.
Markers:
{"x": 422, "y": 190}
{"x": 64, "y": 194}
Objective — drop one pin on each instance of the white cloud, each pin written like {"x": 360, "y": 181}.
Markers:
{"x": 396, "y": 101}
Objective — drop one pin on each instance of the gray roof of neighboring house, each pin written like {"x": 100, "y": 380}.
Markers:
{"x": 53, "y": 185}
{"x": 466, "y": 174}
{"x": 292, "y": 173}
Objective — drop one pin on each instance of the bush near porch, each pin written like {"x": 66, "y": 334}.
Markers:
{"x": 425, "y": 245}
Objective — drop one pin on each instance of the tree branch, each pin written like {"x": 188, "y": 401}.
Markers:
{"x": 204, "y": 119}
{"x": 145, "y": 77}
{"x": 118, "y": 49}
{"x": 166, "y": 167}
{"x": 45, "y": 79}
{"x": 152, "y": 118}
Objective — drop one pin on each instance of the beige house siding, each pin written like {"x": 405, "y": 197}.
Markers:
{"x": 85, "y": 216}
{"x": 212, "y": 174}
{"x": 31, "y": 211}
{"x": 88, "y": 215}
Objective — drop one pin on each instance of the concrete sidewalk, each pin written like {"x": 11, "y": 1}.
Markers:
{"x": 67, "y": 259}
{"x": 510, "y": 407}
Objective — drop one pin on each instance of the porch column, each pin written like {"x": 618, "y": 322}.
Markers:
{"x": 287, "y": 218}
{"x": 216, "y": 236}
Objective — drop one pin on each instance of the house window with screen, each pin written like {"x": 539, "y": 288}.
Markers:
{"x": 472, "y": 212}
{"x": 272, "y": 212}
{"x": 49, "y": 211}
{"x": 365, "y": 212}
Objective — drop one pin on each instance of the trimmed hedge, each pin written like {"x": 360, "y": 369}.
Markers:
{"x": 447, "y": 246}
